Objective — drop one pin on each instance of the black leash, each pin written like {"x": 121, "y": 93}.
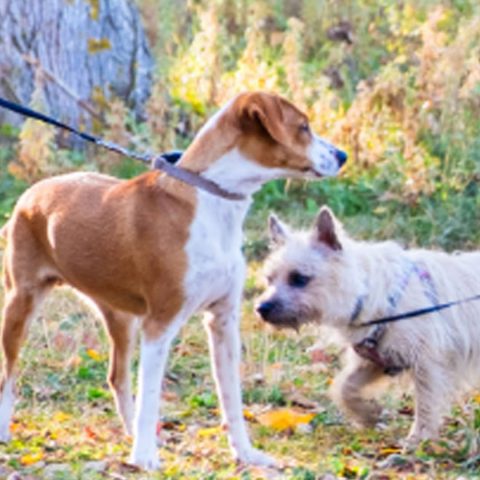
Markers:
{"x": 417, "y": 313}
{"x": 164, "y": 162}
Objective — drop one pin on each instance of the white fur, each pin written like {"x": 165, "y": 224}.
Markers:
{"x": 442, "y": 350}
{"x": 238, "y": 174}
{"x": 323, "y": 157}
{"x": 7, "y": 402}
{"x": 153, "y": 359}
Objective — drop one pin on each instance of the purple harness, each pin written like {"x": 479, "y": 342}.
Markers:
{"x": 368, "y": 348}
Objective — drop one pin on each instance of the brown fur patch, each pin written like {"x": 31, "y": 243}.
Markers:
{"x": 119, "y": 242}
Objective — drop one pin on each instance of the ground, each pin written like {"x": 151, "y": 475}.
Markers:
{"x": 65, "y": 426}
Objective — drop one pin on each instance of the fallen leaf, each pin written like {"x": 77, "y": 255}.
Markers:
{"x": 15, "y": 427}
{"x": 389, "y": 450}
{"x": 60, "y": 417}
{"x": 31, "y": 458}
{"x": 406, "y": 411}
{"x": 318, "y": 355}
{"x": 94, "y": 355}
{"x": 209, "y": 432}
{"x": 89, "y": 432}
{"x": 248, "y": 415}
{"x": 284, "y": 419}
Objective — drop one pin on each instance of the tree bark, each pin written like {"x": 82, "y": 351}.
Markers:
{"x": 84, "y": 52}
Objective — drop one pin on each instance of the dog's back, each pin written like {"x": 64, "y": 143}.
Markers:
{"x": 97, "y": 233}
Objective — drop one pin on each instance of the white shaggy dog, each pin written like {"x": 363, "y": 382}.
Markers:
{"x": 325, "y": 277}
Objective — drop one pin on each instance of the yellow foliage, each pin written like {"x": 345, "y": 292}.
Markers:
{"x": 94, "y": 355}
{"x": 194, "y": 75}
{"x": 60, "y": 417}
{"x": 35, "y": 146}
{"x": 31, "y": 458}
{"x": 210, "y": 432}
{"x": 284, "y": 419}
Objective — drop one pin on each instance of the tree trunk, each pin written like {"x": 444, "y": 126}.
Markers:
{"x": 79, "y": 52}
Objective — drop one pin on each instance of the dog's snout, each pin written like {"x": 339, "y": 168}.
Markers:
{"x": 265, "y": 309}
{"x": 341, "y": 156}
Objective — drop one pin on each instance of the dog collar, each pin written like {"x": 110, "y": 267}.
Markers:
{"x": 194, "y": 179}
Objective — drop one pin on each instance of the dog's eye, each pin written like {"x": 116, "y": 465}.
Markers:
{"x": 305, "y": 127}
{"x": 298, "y": 280}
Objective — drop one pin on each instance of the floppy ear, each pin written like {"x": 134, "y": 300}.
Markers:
{"x": 266, "y": 110}
{"x": 277, "y": 230}
{"x": 325, "y": 230}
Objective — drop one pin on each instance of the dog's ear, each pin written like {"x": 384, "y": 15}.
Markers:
{"x": 266, "y": 110}
{"x": 325, "y": 229}
{"x": 277, "y": 230}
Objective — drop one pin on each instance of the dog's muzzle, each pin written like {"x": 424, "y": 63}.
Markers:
{"x": 273, "y": 313}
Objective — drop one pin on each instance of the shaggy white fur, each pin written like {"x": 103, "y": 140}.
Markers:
{"x": 326, "y": 277}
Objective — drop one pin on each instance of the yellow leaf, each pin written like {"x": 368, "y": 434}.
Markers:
{"x": 476, "y": 398}
{"x": 248, "y": 415}
{"x": 388, "y": 451}
{"x": 60, "y": 417}
{"x": 94, "y": 355}
{"x": 31, "y": 458}
{"x": 209, "y": 432}
{"x": 284, "y": 419}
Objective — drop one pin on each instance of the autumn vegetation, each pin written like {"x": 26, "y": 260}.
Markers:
{"x": 397, "y": 85}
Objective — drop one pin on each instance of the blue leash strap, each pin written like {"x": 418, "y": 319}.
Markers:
{"x": 419, "y": 312}
{"x": 27, "y": 112}
{"x": 164, "y": 162}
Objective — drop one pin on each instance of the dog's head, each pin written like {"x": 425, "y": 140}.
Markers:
{"x": 276, "y": 134}
{"x": 310, "y": 275}
{"x": 259, "y": 136}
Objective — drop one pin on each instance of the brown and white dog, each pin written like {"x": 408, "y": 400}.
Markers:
{"x": 153, "y": 251}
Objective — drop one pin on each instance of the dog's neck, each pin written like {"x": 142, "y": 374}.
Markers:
{"x": 383, "y": 286}
{"x": 236, "y": 173}
{"x": 228, "y": 167}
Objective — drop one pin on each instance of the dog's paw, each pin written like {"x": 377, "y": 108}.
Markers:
{"x": 5, "y": 435}
{"x": 148, "y": 461}
{"x": 252, "y": 456}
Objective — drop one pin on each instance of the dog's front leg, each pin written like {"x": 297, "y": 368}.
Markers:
{"x": 222, "y": 326}
{"x": 348, "y": 387}
{"x": 153, "y": 358}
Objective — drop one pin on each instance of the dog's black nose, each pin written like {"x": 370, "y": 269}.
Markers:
{"x": 265, "y": 308}
{"x": 341, "y": 157}
{"x": 172, "y": 156}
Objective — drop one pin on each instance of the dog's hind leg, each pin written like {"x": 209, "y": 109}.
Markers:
{"x": 122, "y": 333}
{"x": 347, "y": 392}
{"x": 19, "y": 310}
{"x": 28, "y": 277}
{"x": 433, "y": 393}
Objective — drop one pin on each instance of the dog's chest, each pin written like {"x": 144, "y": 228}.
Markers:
{"x": 215, "y": 260}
